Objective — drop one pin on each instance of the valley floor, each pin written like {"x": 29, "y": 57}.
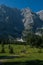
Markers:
{"x": 21, "y": 53}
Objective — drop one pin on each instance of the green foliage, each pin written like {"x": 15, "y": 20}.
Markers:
{"x": 23, "y": 53}
{"x": 34, "y": 40}
{"x": 2, "y": 51}
{"x": 31, "y": 39}
{"x": 10, "y": 49}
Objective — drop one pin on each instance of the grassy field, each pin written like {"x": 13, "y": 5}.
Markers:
{"x": 21, "y": 53}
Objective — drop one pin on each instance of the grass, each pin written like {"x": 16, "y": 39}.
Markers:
{"x": 25, "y": 52}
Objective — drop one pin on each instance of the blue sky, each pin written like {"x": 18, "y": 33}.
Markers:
{"x": 35, "y": 5}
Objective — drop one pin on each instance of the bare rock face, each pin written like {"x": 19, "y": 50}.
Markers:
{"x": 14, "y": 22}
{"x": 32, "y": 21}
{"x": 10, "y": 22}
{"x": 40, "y": 13}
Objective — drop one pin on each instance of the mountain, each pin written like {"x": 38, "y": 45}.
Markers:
{"x": 32, "y": 21}
{"x": 10, "y": 22}
{"x": 40, "y": 13}
{"x": 16, "y": 23}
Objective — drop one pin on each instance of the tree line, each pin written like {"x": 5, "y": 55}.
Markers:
{"x": 31, "y": 39}
{"x": 34, "y": 40}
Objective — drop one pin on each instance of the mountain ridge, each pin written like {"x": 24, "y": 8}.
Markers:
{"x": 17, "y": 23}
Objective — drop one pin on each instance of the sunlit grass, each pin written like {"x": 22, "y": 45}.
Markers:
{"x": 29, "y": 54}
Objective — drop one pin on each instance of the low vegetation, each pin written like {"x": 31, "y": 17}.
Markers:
{"x": 21, "y": 53}
{"x": 32, "y": 49}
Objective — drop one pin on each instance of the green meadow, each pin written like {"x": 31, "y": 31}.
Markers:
{"x": 21, "y": 53}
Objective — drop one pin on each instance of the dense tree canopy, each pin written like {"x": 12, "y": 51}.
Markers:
{"x": 34, "y": 40}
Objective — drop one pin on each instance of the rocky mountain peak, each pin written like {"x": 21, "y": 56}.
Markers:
{"x": 40, "y": 13}
{"x": 13, "y": 21}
